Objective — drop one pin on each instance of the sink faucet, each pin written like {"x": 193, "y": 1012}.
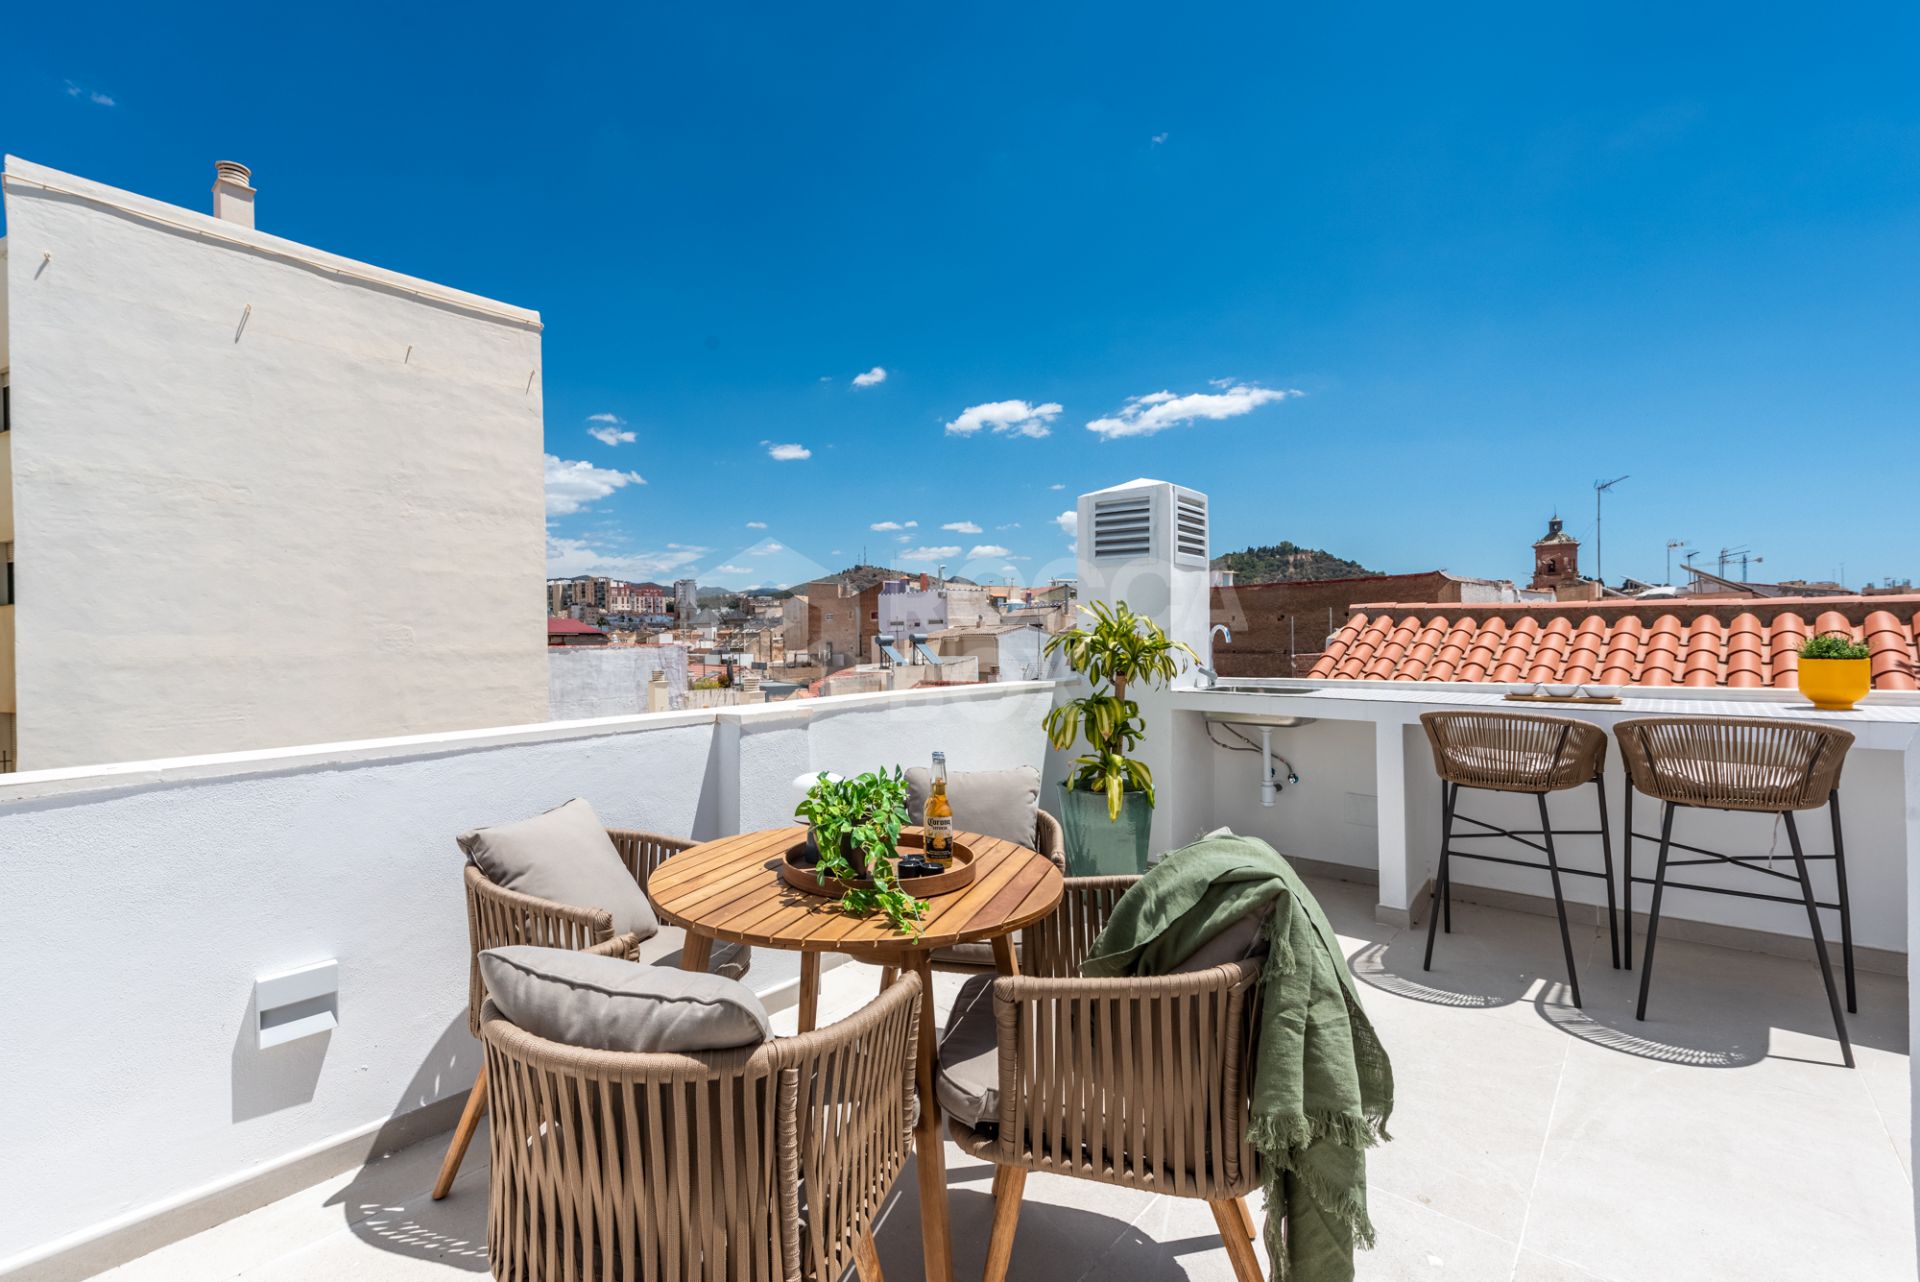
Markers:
{"x": 1208, "y": 678}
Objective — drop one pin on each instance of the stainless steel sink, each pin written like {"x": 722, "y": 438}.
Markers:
{"x": 1275, "y": 719}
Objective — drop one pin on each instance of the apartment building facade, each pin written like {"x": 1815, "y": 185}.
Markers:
{"x": 324, "y": 477}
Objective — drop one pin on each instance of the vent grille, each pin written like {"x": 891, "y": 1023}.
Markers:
{"x": 1123, "y": 526}
{"x": 1190, "y": 525}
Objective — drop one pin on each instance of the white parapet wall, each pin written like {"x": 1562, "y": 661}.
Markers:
{"x": 144, "y": 900}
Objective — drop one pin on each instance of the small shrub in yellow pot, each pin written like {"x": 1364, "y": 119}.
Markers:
{"x": 1834, "y": 671}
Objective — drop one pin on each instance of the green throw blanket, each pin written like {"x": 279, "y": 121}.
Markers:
{"x": 1322, "y": 1086}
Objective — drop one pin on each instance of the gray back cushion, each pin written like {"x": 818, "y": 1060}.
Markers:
{"x": 993, "y": 803}
{"x": 1241, "y": 940}
{"x": 967, "y": 1077}
{"x": 611, "y": 1004}
{"x": 564, "y": 856}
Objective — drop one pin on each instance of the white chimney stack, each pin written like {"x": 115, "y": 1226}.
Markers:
{"x": 233, "y": 192}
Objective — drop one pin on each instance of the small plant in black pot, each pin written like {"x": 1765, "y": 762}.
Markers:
{"x": 853, "y": 834}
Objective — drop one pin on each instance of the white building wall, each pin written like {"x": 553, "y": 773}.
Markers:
{"x": 141, "y": 903}
{"x": 300, "y": 498}
{"x": 610, "y": 680}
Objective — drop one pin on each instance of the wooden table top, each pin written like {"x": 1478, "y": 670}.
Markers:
{"x": 731, "y": 889}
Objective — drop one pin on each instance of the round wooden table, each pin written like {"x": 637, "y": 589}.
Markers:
{"x": 732, "y": 889}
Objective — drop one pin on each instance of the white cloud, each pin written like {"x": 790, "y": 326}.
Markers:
{"x": 930, "y": 554}
{"x": 1006, "y": 418}
{"x": 961, "y": 527}
{"x": 767, "y": 548}
{"x": 1157, "y": 411}
{"x": 903, "y": 538}
{"x": 788, "y": 453}
{"x": 756, "y": 525}
{"x": 1010, "y": 525}
{"x": 93, "y": 96}
{"x": 1159, "y": 138}
{"x": 981, "y": 551}
{"x": 871, "y": 378}
{"x": 572, "y": 485}
{"x": 609, "y": 429}
{"x": 894, "y": 525}
{"x": 1057, "y": 485}
{"x": 731, "y": 569}
{"x": 1068, "y": 521}
{"x": 577, "y": 556}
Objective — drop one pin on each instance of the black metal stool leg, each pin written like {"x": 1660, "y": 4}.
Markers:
{"x": 1559, "y": 903}
{"x": 1819, "y": 939}
{"x": 1626, "y": 886}
{"x": 1846, "y": 909}
{"x": 1606, "y": 857}
{"x": 1452, "y": 803}
{"x": 1447, "y": 798}
{"x": 1653, "y": 912}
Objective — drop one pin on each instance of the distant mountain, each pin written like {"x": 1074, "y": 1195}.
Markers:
{"x": 1288, "y": 563}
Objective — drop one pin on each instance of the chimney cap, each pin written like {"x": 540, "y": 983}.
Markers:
{"x": 232, "y": 171}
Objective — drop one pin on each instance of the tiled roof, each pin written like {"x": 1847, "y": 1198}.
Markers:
{"x": 571, "y": 627}
{"x": 1740, "y": 644}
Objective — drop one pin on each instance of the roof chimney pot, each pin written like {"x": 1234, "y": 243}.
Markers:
{"x": 233, "y": 192}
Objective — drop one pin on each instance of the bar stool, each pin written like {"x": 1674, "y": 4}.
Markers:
{"x": 1740, "y": 763}
{"x": 1517, "y": 752}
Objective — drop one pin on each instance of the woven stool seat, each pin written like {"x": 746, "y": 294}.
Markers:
{"x": 1734, "y": 763}
{"x": 1514, "y": 752}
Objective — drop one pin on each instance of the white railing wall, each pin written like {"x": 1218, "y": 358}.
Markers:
{"x": 141, "y": 902}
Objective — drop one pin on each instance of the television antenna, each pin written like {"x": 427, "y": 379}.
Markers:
{"x": 1671, "y": 545}
{"x": 1600, "y": 489}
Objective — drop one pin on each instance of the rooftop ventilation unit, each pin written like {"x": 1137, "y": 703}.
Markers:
{"x": 1133, "y": 525}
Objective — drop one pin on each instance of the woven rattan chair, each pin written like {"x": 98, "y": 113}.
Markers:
{"x": 1517, "y": 753}
{"x": 1140, "y": 1082}
{"x": 763, "y": 1164}
{"x": 1748, "y": 764}
{"x": 498, "y": 918}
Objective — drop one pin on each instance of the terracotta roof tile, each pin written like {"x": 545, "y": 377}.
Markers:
{"x": 1742, "y": 645}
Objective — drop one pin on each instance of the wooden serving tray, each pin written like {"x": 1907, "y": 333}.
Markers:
{"x": 1562, "y": 698}
{"x": 959, "y": 873}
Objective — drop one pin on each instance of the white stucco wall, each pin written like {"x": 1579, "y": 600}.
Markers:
{"x": 315, "y": 487}
{"x": 138, "y": 904}
{"x": 609, "y": 680}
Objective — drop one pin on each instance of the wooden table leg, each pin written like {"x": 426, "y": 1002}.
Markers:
{"x": 1005, "y": 960}
{"x": 929, "y": 1140}
{"x": 696, "y": 951}
{"x": 809, "y": 991}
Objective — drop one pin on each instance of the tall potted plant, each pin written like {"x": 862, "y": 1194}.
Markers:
{"x": 1835, "y": 671}
{"x": 1107, "y": 802}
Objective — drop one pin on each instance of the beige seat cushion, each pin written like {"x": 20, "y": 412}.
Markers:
{"x": 967, "y": 1078}
{"x": 608, "y": 1003}
{"x": 993, "y": 803}
{"x": 566, "y": 857}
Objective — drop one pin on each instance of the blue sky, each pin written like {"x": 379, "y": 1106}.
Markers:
{"x": 1409, "y": 277}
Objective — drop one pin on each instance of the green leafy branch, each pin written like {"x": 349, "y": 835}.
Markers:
{"x": 863, "y": 814}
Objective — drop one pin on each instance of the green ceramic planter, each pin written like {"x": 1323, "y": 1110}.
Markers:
{"x": 1098, "y": 846}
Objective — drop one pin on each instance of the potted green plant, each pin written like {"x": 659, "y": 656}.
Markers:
{"x": 1107, "y": 802}
{"x": 1834, "y": 671}
{"x": 853, "y": 834}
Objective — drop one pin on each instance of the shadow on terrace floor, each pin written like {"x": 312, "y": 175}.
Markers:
{"x": 387, "y": 1203}
{"x": 1709, "y": 1007}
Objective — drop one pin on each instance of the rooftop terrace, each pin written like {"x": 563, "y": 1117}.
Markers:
{"x": 151, "y": 1130}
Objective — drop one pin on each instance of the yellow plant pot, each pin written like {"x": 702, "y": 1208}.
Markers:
{"x": 1835, "y": 685}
